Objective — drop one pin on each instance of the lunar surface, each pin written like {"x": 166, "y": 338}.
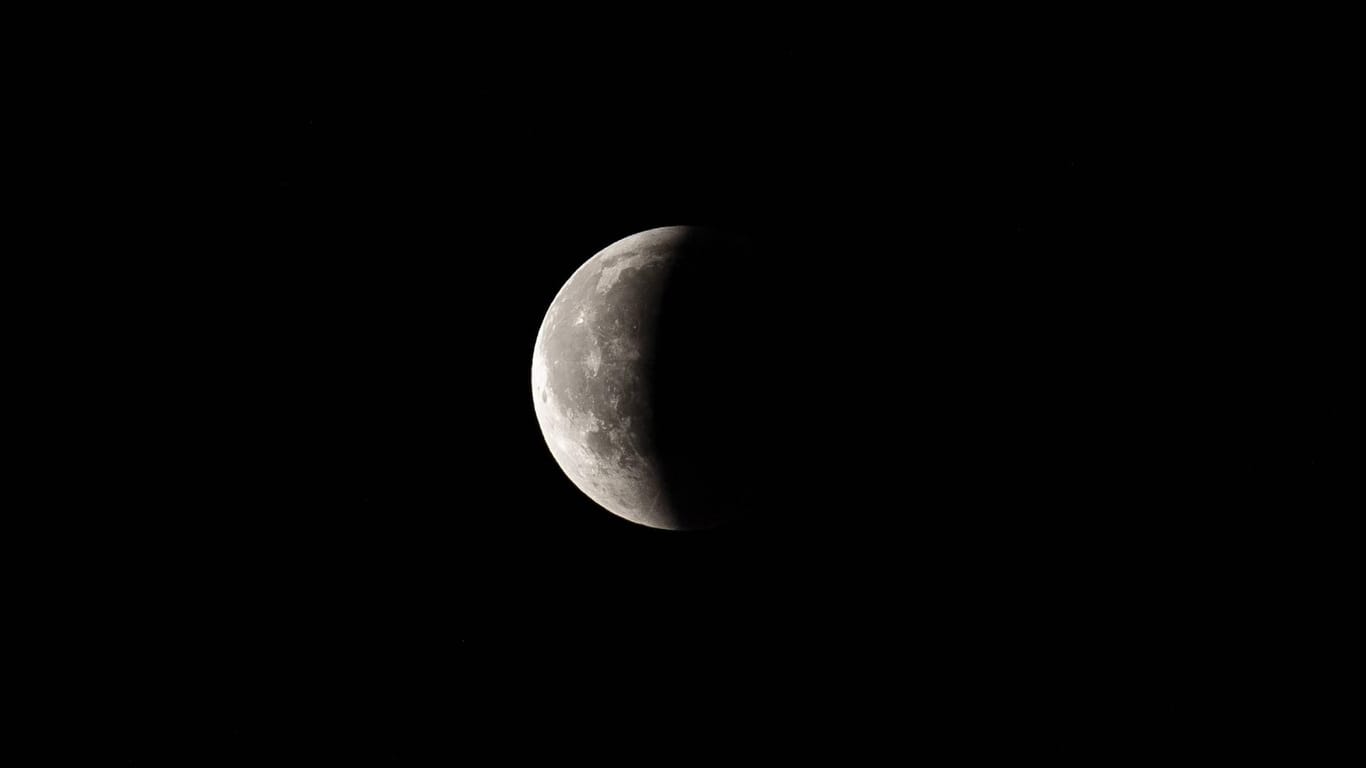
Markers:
{"x": 590, "y": 381}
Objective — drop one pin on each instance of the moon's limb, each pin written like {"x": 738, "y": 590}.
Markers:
{"x": 589, "y": 376}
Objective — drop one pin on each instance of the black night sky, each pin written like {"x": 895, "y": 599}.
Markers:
{"x": 1007, "y": 376}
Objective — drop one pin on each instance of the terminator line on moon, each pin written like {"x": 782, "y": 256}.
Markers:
{"x": 588, "y": 376}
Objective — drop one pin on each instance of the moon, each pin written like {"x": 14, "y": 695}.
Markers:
{"x": 591, "y": 382}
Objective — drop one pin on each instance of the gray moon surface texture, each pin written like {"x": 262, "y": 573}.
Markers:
{"x": 589, "y": 376}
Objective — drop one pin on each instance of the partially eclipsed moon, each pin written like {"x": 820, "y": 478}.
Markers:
{"x": 590, "y": 380}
